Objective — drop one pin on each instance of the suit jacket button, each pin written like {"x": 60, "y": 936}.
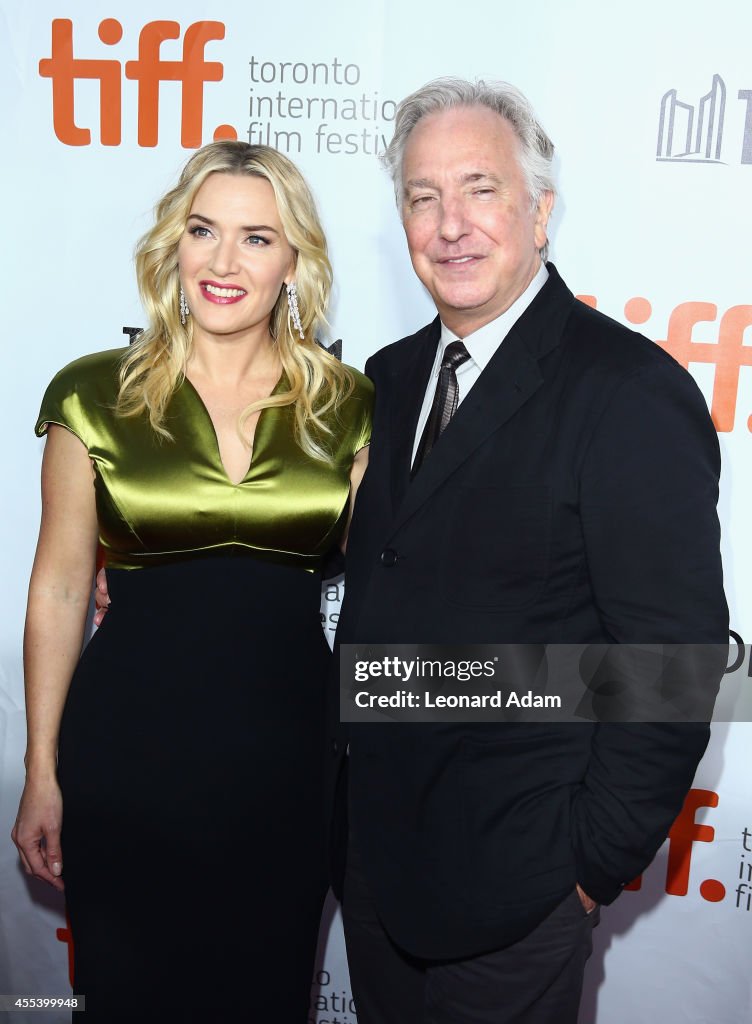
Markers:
{"x": 388, "y": 557}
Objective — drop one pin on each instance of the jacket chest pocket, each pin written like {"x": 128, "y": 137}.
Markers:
{"x": 497, "y": 545}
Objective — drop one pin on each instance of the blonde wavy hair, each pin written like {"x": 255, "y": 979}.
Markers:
{"x": 155, "y": 364}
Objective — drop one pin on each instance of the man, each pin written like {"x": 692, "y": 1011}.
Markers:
{"x": 569, "y": 499}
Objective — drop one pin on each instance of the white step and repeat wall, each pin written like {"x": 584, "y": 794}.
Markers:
{"x": 650, "y": 106}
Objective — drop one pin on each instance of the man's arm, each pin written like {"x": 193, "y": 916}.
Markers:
{"x": 649, "y": 488}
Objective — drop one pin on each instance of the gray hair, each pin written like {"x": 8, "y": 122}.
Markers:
{"x": 536, "y": 148}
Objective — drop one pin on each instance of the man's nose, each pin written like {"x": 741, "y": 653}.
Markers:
{"x": 453, "y": 223}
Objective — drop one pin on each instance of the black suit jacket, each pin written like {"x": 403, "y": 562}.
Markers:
{"x": 570, "y": 500}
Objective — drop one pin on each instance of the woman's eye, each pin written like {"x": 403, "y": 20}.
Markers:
{"x": 257, "y": 240}
{"x": 199, "y": 231}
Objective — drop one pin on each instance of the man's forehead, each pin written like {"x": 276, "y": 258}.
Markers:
{"x": 458, "y": 144}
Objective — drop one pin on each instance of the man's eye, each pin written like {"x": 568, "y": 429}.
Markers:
{"x": 421, "y": 200}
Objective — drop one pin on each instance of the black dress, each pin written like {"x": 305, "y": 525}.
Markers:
{"x": 191, "y": 745}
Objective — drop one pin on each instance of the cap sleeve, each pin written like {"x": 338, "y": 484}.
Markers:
{"x": 77, "y": 392}
{"x": 62, "y": 405}
{"x": 365, "y": 394}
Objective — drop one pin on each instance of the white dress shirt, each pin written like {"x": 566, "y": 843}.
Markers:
{"x": 481, "y": 345}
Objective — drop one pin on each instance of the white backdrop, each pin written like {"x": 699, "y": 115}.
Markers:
{"x": 658, "y": 242}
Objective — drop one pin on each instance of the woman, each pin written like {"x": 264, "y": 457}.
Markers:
{"x": 220, "y": 453}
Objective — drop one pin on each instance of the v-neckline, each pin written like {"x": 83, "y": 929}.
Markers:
{"x": 213, "y": 429}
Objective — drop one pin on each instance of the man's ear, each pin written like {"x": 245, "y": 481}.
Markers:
{"x": 542, "y": 216}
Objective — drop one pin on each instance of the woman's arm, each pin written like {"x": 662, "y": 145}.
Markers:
{"x": 359, "y": 466}
{"x": 59, "y": 594}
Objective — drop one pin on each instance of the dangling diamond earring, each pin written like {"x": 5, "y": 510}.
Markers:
{"x": 184, "y": 311}
{"x": 293, "y": 311}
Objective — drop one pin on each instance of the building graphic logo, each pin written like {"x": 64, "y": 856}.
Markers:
{"x": 692, "y": 133}
{"x": 148, "y": 71}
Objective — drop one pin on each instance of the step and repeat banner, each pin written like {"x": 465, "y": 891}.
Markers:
{"x": 650, "y": 107}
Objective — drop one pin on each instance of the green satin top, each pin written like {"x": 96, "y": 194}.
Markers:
{"x": 162, "y": 501}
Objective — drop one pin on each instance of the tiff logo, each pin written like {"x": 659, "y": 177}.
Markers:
{"x": 693, "y": 133}
{"x": 149, "y": 70}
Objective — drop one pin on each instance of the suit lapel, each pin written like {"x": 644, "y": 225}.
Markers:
{"x": 408, "y": 386}
{"x": 509, "y": 380}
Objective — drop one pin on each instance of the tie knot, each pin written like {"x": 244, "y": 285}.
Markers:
{"x": 454, "y": 355}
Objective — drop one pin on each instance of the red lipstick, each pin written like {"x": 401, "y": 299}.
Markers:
{"x": 215, "y": 291}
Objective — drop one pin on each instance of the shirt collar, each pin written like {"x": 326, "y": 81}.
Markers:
{"x": 482, "y": 344}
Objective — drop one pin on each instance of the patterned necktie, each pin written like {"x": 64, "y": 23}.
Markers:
{"x": 444, "y": 401}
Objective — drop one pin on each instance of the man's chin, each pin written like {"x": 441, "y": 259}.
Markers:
{"x": 465, "y": 306}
